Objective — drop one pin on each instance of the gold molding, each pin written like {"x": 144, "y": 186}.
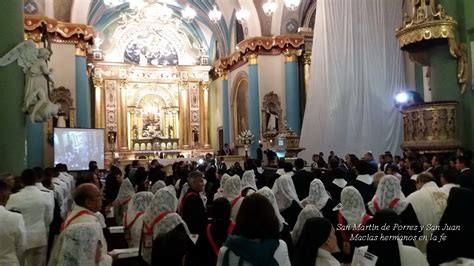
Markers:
{"x": 292, "y": 55}
{"x": 252, "y": 59}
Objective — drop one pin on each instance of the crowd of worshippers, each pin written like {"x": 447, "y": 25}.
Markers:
{"x": 410, "y": 210}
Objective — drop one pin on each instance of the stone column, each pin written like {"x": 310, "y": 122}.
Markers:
{"x": 122, "y": 124}
{"x": 307, "y": 75}
{"x": 292, "y": 95}
{"x": 225, "y": 107}
{"x": 12, "y": 126}
{"x": 184, "y": 127}
{"x": 253, "y": 103}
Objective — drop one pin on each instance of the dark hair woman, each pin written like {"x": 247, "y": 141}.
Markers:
{"x": 255, "y": 237}
{"x": 316, "y": 243}
{"x": 216, "y": 232}
{"x": 112, "y": 183}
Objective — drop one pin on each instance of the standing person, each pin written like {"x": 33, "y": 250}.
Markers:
{"x": 133, "y": 218}
{"x": 249, "y": 184}
{"x": 226, "y": 149}
{"x": 35, "y": 207}
{"x": 255, "y": 238}
{"x": 260, "y": 152}
{"x": 390, "y": 251}
{"x": 319, "y": 197}
{"x": 429, "y": 202}
{"x": 216, "y": 232}
{"x": 232, "y": 190}
{"x": 155, "y": 172}
{"x": 448, "y": 180}
{"x": 8, "y": 179}
{"x": 317, "y": 242}
{"x": 112, "y": 183}
{"x": 363, "y": 182}
{"x": 309, "y": 211}
{"x": 12, "y": 231}
{"x": 124, "y": 195}
{"x": 301, "y": 179}
{"x": 466, "y": 176}
{"x": 287, "y": 199}
{"x": 192, "y": 207}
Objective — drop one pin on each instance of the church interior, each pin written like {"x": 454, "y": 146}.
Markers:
{"x": 160, "y": 108}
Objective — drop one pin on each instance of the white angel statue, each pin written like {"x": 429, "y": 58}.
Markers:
{"x": 33, "y": 61}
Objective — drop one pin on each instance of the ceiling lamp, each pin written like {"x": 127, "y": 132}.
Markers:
{"x": 269, "y": 7}
{"x": 242, "y": 16}
{"x": 188, "y": 14}
{"x": 215, "y": 15}
{"x": 292, "y": 4}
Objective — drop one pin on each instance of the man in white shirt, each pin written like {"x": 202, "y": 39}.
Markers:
{"x": 64, "y": 191}
{"x": 12, "y": 231}
{"x": 448, "y": 180}
{"x": 35, "y": 207}
{"x": 39, "y": 179}
{"x": 429, "y": 203}
{"x": 69, "y": 180}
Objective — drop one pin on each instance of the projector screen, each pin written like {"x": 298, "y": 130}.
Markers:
{"x": 77, "y": 146}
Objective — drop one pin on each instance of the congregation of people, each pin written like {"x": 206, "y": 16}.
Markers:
{"x": 400, "y": 210}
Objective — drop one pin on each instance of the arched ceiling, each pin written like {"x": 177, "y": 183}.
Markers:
{"x": 214, "y": 36}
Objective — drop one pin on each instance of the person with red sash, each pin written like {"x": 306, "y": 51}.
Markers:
{"x": 216, "y": 232}
{"x": 124, "y": 196}
{"x": 88, "y": 201}
{"x": 231, "y": 192}
{"x": 133, "y": 218}
{"x": 349, "y": 219}
{"x": 389, "y": 196}
{"x": 192, "y": 207}
{"x": 160, "y": 218}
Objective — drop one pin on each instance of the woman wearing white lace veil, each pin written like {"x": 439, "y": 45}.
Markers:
{"x": 124, "y": 195}
{"x": 351, "y": 215}
{"x": 249, "y": 185}
{"x": 389, "y": 195}
{"x": 309, "y": 211}
{"x": 220, "y": 190}
{"x": 288, "y": 203}
{"x": 157, "y": 186}
{"x": 319, "y": 197}
{"x": 231, "y": 192}
{"x": 133, "y": 218}
{"x": 160, "y": 218}
{"x": 82, "y": 246}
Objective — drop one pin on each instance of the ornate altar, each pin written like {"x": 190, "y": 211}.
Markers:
{"x": 287, "y": 144}
{"x": 430, "y": 127}
{"x": 272, "y": 116}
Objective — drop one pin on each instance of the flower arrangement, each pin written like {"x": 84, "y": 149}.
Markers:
{"x": 246, "y": 137}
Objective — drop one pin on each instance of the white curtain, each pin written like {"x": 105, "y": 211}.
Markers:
{"x": 356, "y": 70}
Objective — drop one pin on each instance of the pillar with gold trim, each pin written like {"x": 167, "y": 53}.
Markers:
{"x": 253, "y": 103}
{"x": 122, "y": 138}
{"x": 99, "y": 103}
{"x": 83, "y": 91}
{"x": 292, "y": 94}
{"x": 184, "y": 121}
{"x": 204, "y": 107}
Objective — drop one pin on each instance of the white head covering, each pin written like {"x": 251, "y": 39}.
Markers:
{"x": 268, "y": 193}
{"x": 139, "y": 203}
{"x": 248, "y": 180}
{"x": 318, "y": 196}
{"x": 232, "y": 188}
{"x": 163, "y": 200}
{"x": 126, "y": 191}
{"x": 157, "y": 186}
{"x": 353, "y": 208}
{"x": 79, "y": 246}
{"x": 309, "y": 211}
{"x": 220, "y": 190}
{"x": 184, "y": 190}
{"x": 389, "y": 189}
{"x": 285, "y": 192}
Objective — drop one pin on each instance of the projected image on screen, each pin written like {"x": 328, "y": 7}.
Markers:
{"x": 77, "y": 146}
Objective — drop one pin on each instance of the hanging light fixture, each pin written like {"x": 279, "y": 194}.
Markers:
{"x": 215, "y": 15}
{"x": 242, "y": 16}
{"x": 269, "y": 7}
{"x": 188, "y": 14}
{"x": 292, "y": 4}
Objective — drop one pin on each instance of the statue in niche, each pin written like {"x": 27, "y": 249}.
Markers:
{"x": 195, "y": 135}
{"x": 34, "y": 63}
{"x": 272, "y": 118}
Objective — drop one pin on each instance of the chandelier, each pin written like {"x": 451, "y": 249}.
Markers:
{"x": 188, "y": 14}
{"x": 269, "y": 7}
{"x": 292, "y": 4}
{"x": 242, "y": 16}
{"x": 214, "y": 14}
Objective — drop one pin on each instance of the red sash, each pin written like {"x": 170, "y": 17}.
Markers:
{"x": 126, "y": 225}
{"x": 234, "y": 201}
{"x": 344, "y": 235}
{"x": 148, "y": 238}
{"x": 125, "y": 201}
{"x": 391, "y": 205}
{"x": 65, "y": 224}
{"x": 181, "y": 205}
{"x": 211, "y": 240}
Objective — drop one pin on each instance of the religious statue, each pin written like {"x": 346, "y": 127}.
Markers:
{"x": 272, "y": 120}
{"x": 170, "y": 129}
{"x": 34, "y": 63}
